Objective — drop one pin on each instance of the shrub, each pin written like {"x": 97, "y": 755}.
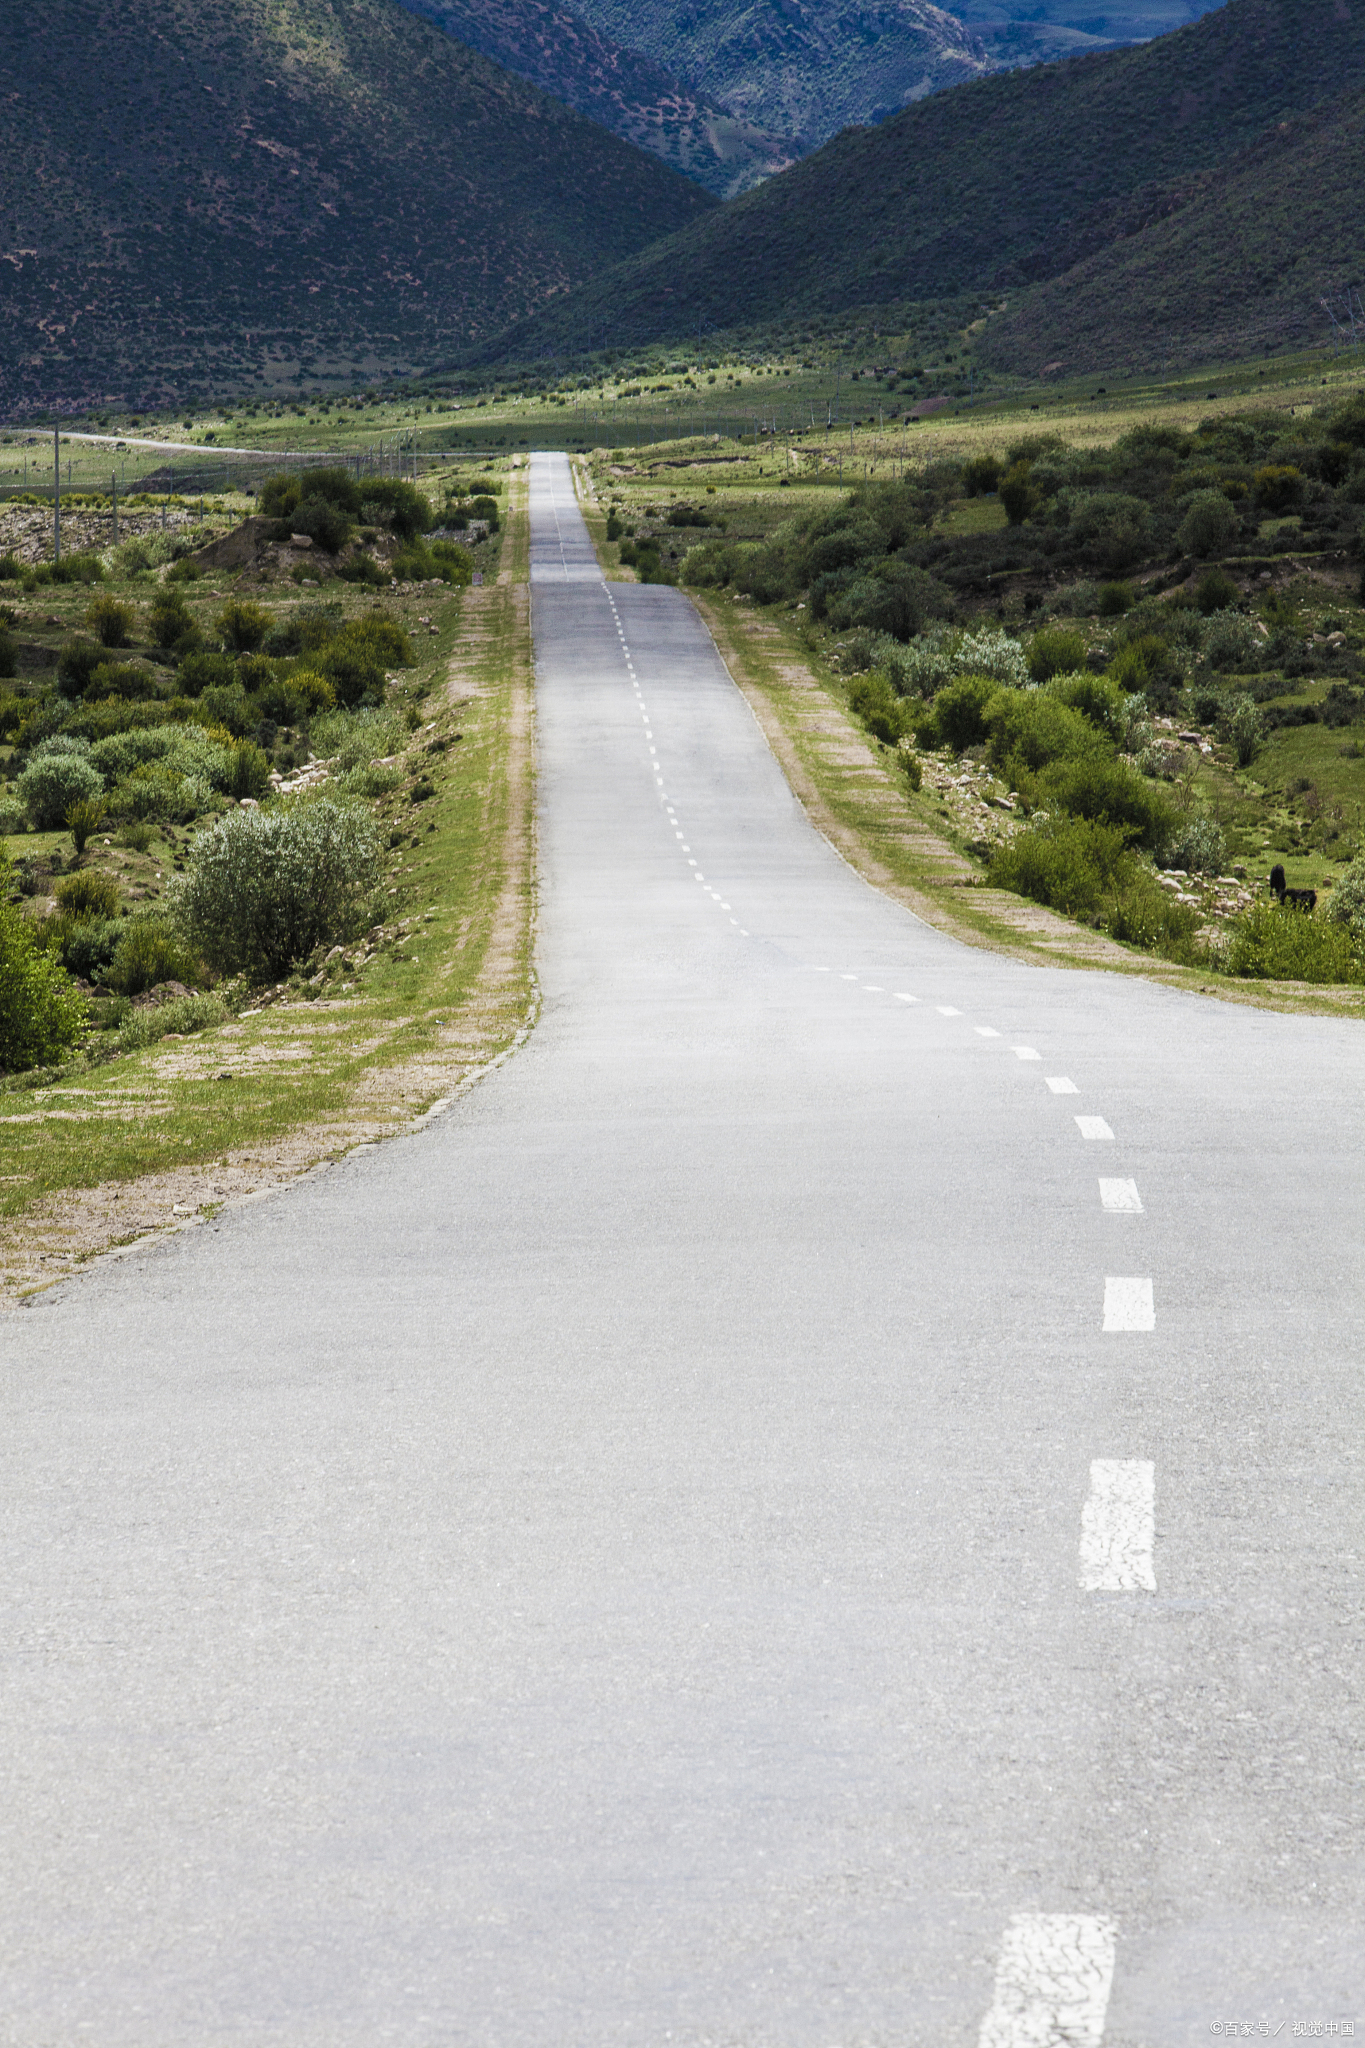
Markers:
{"x": 148, "y": 953}
{"x": 41, "y": 1014}
{"x": 885, "y": 715}
{"x": 85, "y": 945}
{"x": 1143, "y": 914}
{"x": 1272, "y": 943}
{"x": 1067, "y": 863}
{"x": 168, "y": 619}
{"x": 324, "y": 523}
{"x": 960, "y": 711}
{"x": 352, "y": 739}
{"x": 88, "y": 893}
{"x": 1027, "y": 729}
{"x": 249, "y": 771}
{"x": 1053, "y": 651}
{"x": 1098, "y": 698}
{"x": 1231, "y": 642}
{"x": 181, "y": 1013}
{"x": 1244, "y": 730}
{"x": 1101, "y": 787}
{"x": 399, "y": 505}
{"x": 981, "y": 475}
{"x": 1278, "y": 487}
{"x": 362, "y": 569}
{"x": 1115, "y": 599}
{"x": 1209, "y": 524}
{"x": 53, "y": 782}
{"x": 11, "y": 569}
{"x": 84, "y": 818}
{"x": 70, "y": 569}
{"x": 131, "y": 680}
{"x": 9, "y": 653}
{"x": 1112, "y": 527}
{"x": 199, "y": 672}
{"x": 76, "y": 664}
{"x": 896, "y": 599}
{"x": 1215, "y": 592}
{"x": 263, "y": 888}
{"x": 710, "y": 565}
{"x": 354, "y": 671}
{"x": 242, "y": 625}
{"x": 314, "y": 692}
{"x": 278, "y": 496}
{"x": 109, "y": 621}
{"x": 1197, "y": 845}
{"x": 384, "y": 637}
{"x": 1147, "y": 663}
{"x": 1017, "y": 493}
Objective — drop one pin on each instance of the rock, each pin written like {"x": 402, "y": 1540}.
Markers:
{"x": 300, "y": 540}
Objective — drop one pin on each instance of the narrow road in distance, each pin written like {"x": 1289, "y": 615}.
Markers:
{"x": 819, "y": 1506}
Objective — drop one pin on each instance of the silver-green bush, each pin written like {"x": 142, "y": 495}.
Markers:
{"x": 264, "y": 887}
{"x": 52, "y": 782}
{"x": 1197, "y": 845}
{"x": 352, "y": 739}
{"x": 1346, "y": 903}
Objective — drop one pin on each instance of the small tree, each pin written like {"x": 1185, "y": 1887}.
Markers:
{"x": 243, "y": 625}
{"x": 109, "y": 621}
{"x": 84, "y": 818}
{"x": 1244, "y": 728}
{"x": 41, "y": 1014}
{"x": 1209, "y": 525}
{"x": 1017, "y": 493}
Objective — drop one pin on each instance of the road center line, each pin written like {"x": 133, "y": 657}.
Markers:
{"x": 1052, "y": 1983}
{"x": 1093, "y": 1127}
{"x": 1118, "y": 1527}
{"x": 1121, "y": 1196}
{"x": 1129, "y": 1305}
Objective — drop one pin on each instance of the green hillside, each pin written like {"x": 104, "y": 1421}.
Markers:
{"x": 798, "y": 68}
{"x": 213, "y": 194}
{"x": 986, "y": 186}
{"x": 626, "y": 91}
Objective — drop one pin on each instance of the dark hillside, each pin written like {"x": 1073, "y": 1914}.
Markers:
{"x": 198, "y": 192}
{"x": 627, "y": 92}
{"x": 985, "y": 185}
{"x": 1226, "y": 265}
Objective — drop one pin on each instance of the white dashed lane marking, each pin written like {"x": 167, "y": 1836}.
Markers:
{"x": 901, "y": 997}
{"x": 1129, "y": 1305}
{"x": 1052, "y": 1983}
{"x": 1118, "y": 1527}
{"x": 1025, "y": 1052}
{"x": 1121, "y": 1196}
{"x": 1059, "y": 1085}
{"x": 985, "y": 1031}
{"x": 1093, "y": 1127}
{"x": 947, "y": 1010}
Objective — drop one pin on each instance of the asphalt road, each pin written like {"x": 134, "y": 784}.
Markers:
{"x": 671, "y": 1553}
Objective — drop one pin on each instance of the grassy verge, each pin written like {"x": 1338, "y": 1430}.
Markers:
{"x": 153, "y": 1139}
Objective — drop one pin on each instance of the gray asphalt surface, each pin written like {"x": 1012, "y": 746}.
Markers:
{"x": 606, "y": 1569}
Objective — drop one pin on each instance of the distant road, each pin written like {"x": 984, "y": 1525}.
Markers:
{"x": 819, "y": 1504}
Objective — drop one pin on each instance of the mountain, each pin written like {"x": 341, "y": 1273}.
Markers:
{"x": 1232, "y": 263}
{"x": 202, "y": 194}
{"x": 1041, "y": 31}
{"x": 622, "y": 89}
{"x": 803, "y": 68}
{"x": 988, "y": 185}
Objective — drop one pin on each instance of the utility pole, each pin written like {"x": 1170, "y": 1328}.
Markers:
{"x": 113, "y": 491}
{"x": 56, "y": 496}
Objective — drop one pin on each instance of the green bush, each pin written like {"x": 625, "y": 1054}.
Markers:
{"x": 1273, "y": 943}
{"x": 1346, "y": 903}
{"x": 198, "y": 672}
{"x": 88, "y": 893}
{"x": 1054, "y": 650}
{"x": 326, "y": 525}
{"x": 70, "y": 569}
{"x": 250, "y": 771}
{"x": 614, "y": 526}
{"x": 1278, "y": 487}
{"x": 1147, "y": 663}
{"x": 242, "y": 625}
{"x": 84, "y": 945}
{"x": 9, "y": 653}
{"x": 1103, "y": 788}
{"x": 1098, "y": 698}
{"x": 41, "y": 1014}
{"x": 1067, "y": 863}
{"x": 1197, "y": 845}
{"x": 263, "y": 888}
{"x": 1215, "y": 592}
{"x": 885, "y": 715}
{"x": 352, "y": 739}
{"x": 131, "y": 680}
{"x": 1028, "y": 728}
{"x": 278, "y": 496}
{"x": 1209, "y": 525}
{"x": 111, "y": 622}
{"x": 353, "y": 668}
{"x": 85, "y": 817}
{"x": 362, "y": 569}
{"x": 1230, "y": 642}
{"x": 1244, "y": 730}
{"x": 1112, "y": 527}
{"x": 1141, "y": 913}
{"x": 169, "y": 620}
{"x": 11, "y": 569}
{"x": 960, "y": 711}
{"x": 148, "y": 953}
{"x": 76, "y": 663}
{"x": 182, "y": 1014}
{"x": 1017, "y": 493}
{"x": 398, "y": 505}
{"x": 1114, "y": 599}
{"x": 52, "y": 782}
{"x": 981, "y": 476}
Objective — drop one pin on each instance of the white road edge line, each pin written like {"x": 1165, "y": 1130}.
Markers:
{"x": 1118, "y": 1527}
{"x": 1052, "y": 1983}
{"x": 1093, "y": 1127}
{"x": 1129, "y": 1305}
{"x": 1121, "y": 1196}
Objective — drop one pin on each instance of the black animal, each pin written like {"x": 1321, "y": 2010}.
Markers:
{"x": 1297, "y": 899}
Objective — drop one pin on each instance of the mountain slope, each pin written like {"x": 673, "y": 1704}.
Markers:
{"x": 196, "y": 192}
{"x": 622, "y": 89}
{"x": 804, "y": 68}
{"x": 983, "y": 184}
{"x": 1042, "y": 31}
{"x": 1229, "y": 264}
